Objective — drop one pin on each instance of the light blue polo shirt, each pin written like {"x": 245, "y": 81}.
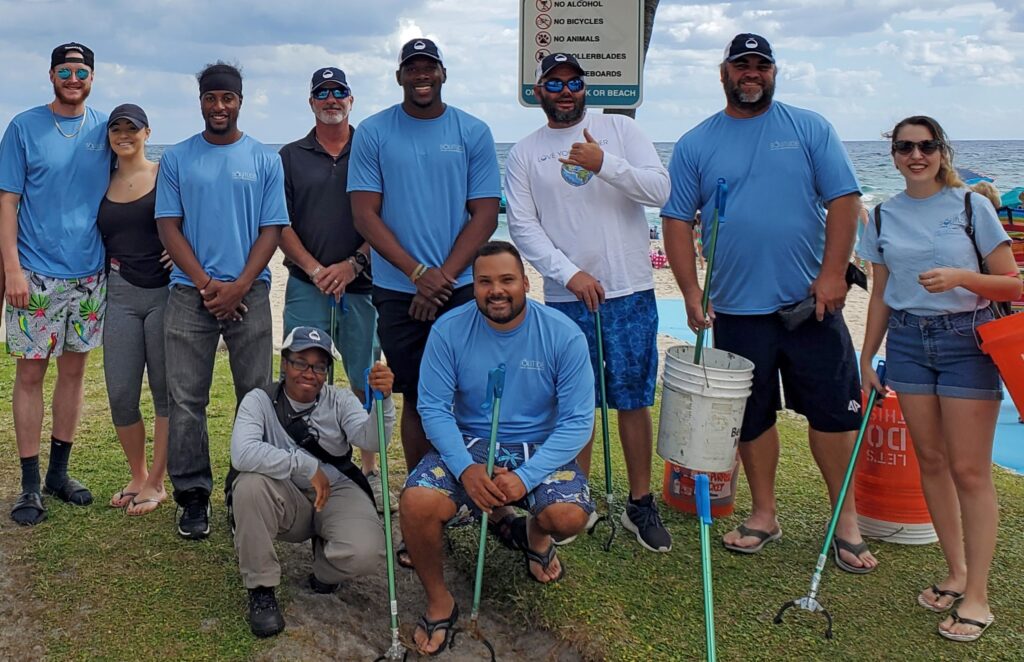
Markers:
{"x": 61, "y": 181}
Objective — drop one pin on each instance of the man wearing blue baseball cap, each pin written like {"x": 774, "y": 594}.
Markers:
{"x": 293, "y": 479}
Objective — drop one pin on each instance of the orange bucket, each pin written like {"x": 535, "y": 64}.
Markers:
{"x": 887, "y": 481}
{"x": 679, "y": 488}
{"x": 1003, "y": 340}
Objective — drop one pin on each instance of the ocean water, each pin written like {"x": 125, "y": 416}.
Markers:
{"x": 1002, "y": 160}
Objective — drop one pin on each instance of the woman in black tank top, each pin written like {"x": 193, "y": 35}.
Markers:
{"x": 136, "y": 297}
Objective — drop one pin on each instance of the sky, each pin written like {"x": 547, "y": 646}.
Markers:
{"x": 863, "y": 64}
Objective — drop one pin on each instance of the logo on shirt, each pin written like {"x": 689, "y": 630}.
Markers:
{"x": 784, "y": 144}
{"x": 452, "y": 147}
{"x": 576, "y": 175}
{"x": 529, "y": 364}
{"x": 95, "y": 147}
{"x": 243, "y": 175}
{"x": 955, "y": 224}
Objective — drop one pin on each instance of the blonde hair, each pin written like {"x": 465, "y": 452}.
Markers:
{"x": 990, "y": 192}
{"x": 947, "y": 173}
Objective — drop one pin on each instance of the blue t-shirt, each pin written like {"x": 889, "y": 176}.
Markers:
{"x": 224, "y": 194}
{"x": 921, "y": 234}
{"x": 61, "y": 182}
{"x": 549, "y": 387}
{"x": 781, "y": 168}
{"x": 425, "y": 170}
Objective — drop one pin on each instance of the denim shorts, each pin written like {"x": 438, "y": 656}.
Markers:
{"x": 567, "y": 484}
{"x": 939, "y": 355}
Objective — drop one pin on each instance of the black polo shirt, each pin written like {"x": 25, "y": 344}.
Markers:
{"x": 316, "y": 187}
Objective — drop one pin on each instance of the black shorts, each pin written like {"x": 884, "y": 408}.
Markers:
{"x": 820, "y": 375}
{"x": 402, "y": 339}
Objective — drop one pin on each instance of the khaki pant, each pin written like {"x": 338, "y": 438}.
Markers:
{"x": 350, "y": 535}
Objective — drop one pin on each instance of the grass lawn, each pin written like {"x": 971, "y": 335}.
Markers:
{"x": 117, "y": 588}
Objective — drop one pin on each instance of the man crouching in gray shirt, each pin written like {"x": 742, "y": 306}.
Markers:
{"x": 293, "y": 478}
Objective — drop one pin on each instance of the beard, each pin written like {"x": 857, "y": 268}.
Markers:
{"x": 558, "y": 116}
{"x": 750, "y": 102}
{"x": 62, "y": 94}
{"x": 331, "y": 116}
{"x": 513, "y": 309}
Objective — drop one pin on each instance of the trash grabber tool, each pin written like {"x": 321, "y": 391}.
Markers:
{"x": 717, "y": 219}
{"x": 703, "y": 494}
{"x": 609, "y": 497}
{"x": 334, "y": 333}
{"x": 397, "y": 651}
{"x": 810, "y": 601}
{"x": 495, "y": 389}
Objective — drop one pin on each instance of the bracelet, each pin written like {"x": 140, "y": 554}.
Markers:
{"x": 319, "y": 268}
{"x": 356, "y": 267}
{"x": 418, "y": 272}
{"x": 207, "y": 283}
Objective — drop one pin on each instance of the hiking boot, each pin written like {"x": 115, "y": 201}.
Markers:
{"x": 265, "y": 619}
{"x": 642, "y": 518}
{"x": 323, "y": 588}
{"x": 373, "y": 478}
{"x": 194, "y": 523}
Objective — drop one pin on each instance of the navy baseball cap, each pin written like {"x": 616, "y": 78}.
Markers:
{"x": 328, "y": 75}
{"x": 308, "y": 337}
{"x": 556, "y": 59}
{"x": 419, "y": 46}
{"x": 130, "y": 112}
{"x": 748, "y": 44}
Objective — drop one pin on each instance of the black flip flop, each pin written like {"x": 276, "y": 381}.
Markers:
{"x": 939, "y": 594}
{"x": 402, "y": 557}
{"x": 31, "y": 504}
{"x": 544, "y": 561}
{"x": 446, "y": 624}
{"x": 846, "y": 546}
{"x": 510, "y": 530}
{"x": 71, "y": 491}
{"x": 763, "y": 537}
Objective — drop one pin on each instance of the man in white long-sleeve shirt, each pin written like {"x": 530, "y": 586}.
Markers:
{"x": 291, "y": 448}
{"x": 576, "y": 190}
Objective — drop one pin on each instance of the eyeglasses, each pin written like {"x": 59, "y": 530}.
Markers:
{"x": 555, "y": 85}
{"x": 303, "y": 366}
{"x": 65, "y": 73}
{"x": 337, "y": 92}
{"x": 906, "y": 147}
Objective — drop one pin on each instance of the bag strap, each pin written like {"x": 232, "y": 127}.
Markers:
{"x": 878, "y": 226}
{"x": 969, "y": 229}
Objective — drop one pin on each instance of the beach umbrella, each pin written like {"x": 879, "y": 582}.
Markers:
{"x": 970, "y": 177}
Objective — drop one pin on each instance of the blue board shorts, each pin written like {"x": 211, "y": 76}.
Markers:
{"x": 568, "y": 484}
{"x": 629, "y": 328}
{"x": 939, "y": 355}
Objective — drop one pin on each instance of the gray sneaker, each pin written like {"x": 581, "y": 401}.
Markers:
{"x": 378, "y": 492}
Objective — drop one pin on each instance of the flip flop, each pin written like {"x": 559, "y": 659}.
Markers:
{"x": 71, "y": 491}
{"x": 846, "y": 546}
{"x": 402, "y": 557}
{"x": 122, "y": 495}
{"x": 507, "y": 531}
{"x": 28, "y": 510}
{"x": 974, "y": 636}
{"x": 544, "y": 561}
{"x": 446, "y": 624}
{"x": 941, "y": 593}
{"x": 764, "y": 537}
{"x": 140, "y": 502}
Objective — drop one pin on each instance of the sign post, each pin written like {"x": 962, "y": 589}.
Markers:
{"x": 606, "y": 36}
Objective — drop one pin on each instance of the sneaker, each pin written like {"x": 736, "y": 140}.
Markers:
{"x": 591, "y": 522}
{"x": 323, "y": 588}
{"x": 265, "y": 619}
{"x": 194, "y": 523}
{"x": 378, "y": 492}
{"x": 642, "y": 518}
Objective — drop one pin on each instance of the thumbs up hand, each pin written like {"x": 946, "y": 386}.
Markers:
{"x": 587, "y": 154}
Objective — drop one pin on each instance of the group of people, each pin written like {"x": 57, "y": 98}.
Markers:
{"x": 386, "y": 232}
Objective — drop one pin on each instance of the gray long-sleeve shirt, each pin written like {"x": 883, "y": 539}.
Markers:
{"x": 259, "y": 444}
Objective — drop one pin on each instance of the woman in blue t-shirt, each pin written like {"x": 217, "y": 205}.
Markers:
{"x": 929, "y": 295}
{"x": 133, "y": 332}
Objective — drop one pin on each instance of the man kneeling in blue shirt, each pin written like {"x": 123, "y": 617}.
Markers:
{"x": 547, "y": 414}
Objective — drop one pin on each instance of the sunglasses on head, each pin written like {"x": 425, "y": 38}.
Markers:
{"x": 65, "y": 73}
{"x": 338, "y": 92}
{"x": 906, "y": 147}
{"x": 555, "y": 85}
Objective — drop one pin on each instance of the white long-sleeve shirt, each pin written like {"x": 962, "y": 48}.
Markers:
{"x": 565, "y": 219}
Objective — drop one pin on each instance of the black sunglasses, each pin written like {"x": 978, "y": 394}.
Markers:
{"x": 302, "y": 366}
{"x": 555, "y": 85}
{"x": 338, "y": 92}
{"x": 906, "y": 147}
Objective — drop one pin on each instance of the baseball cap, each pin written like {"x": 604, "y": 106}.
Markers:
{"x": 130, "y": 112}
{"x": 748, "y": 44}
{"x": 419, "y": 46}
{"x": 60, "y": 54}
{"x": 308, "y": 337}
{"x": 555, "y": 59}
{"x": 328, "y": 75}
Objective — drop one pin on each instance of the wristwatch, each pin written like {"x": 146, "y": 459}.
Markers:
{"x": 362, "y": 260}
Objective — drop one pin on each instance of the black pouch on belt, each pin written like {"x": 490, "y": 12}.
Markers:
{"x": 795, "y": 315}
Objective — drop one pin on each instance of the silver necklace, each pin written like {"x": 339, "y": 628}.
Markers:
{"x": 61, "y": 131}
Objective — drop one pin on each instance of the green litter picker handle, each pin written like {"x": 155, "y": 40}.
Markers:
{"x": 702, "y": 492}
{"x": 721, "y": 195}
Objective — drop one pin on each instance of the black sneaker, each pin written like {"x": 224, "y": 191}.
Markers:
{"x": 265, "y": 619}
{"x": 323, "y": 588}
{"x": 194, "y": 523}
{"x": 642, "y": 518}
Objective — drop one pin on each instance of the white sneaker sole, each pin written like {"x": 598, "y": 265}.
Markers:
{"x": 202, "y": 534}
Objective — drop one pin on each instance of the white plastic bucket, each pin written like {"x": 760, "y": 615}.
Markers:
{"x": 702, "y": 407}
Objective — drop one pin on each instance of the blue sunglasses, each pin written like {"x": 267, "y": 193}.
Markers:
{"x": 65, "y": 73}
{"x": 337, "y": 92}
{"x": 555, "y": 85}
